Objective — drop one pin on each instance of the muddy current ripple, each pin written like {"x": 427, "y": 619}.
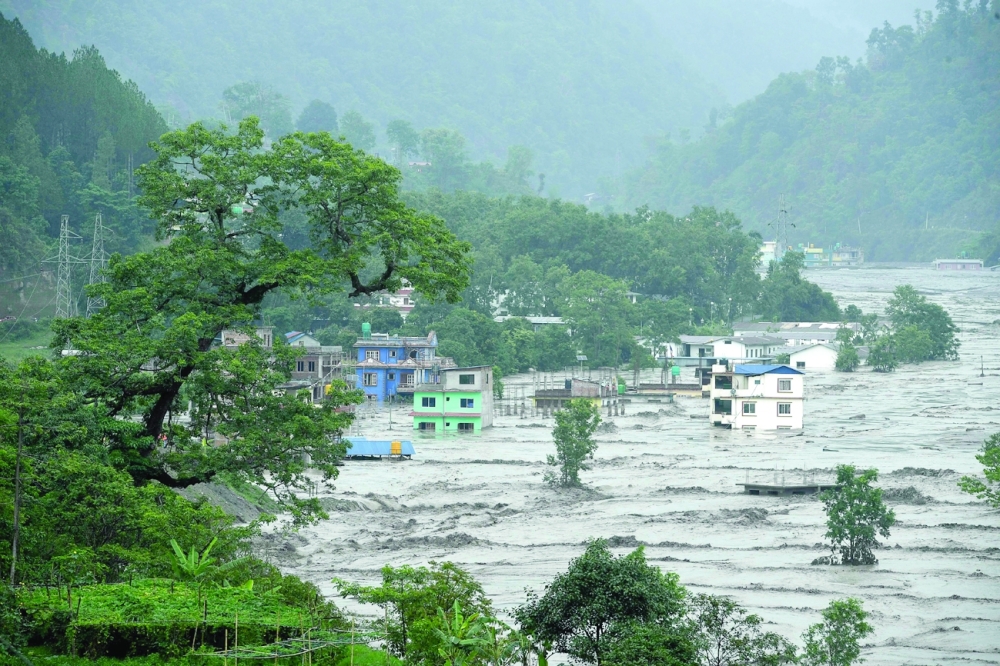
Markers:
{"x": 664, "y": 478}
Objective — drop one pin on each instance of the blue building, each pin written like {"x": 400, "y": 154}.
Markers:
{"x": 390, "y": 365}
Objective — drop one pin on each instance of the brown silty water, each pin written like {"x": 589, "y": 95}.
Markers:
{"x": 665, "y": 478}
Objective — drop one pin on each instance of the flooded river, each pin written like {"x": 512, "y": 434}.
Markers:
{"x": 664, "y": 478}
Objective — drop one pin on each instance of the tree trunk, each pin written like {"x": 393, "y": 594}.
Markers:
{"x": 16, "y": 530}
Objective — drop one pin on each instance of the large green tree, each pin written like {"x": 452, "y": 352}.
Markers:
{"x": 599, "y": 600}
{"x": 218, "y": 199}
{"x": 924, "y": 330}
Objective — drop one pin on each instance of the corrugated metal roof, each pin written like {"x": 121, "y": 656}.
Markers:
{"x": 362, "y": 446}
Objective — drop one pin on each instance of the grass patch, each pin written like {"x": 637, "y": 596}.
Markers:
{"x": 365, "y": 656}
{"x": 15, "y": 351}
{"x": 255, "y": 495}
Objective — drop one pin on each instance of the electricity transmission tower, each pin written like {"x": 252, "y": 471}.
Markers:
{"x": 65, "y": 303}
{"x": 98, "y": 260}
{"x": 780, "y": 226}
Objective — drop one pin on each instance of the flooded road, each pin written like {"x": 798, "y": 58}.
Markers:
{"x": 664, "y": 478}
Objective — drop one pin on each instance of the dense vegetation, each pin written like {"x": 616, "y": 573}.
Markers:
{"x": 70, "y": 129}
{"x": 897, "y": 153}
{"x": 538, "y": 257}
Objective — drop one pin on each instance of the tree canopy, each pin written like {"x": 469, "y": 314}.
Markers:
{"x": 219, "y": 199}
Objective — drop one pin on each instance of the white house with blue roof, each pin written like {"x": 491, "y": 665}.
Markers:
{"x": 757, "y": 397}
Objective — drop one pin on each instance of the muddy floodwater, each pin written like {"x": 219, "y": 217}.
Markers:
{"x": 665, "y": 478}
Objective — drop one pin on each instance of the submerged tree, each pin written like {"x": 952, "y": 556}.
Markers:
{"x": 836, "y": 640}
{"x": 856, "y": 516}
{"x": 929, "y": 329}
{"x": 847, "y": 358}
{"x": 574, "y": 440}
{"x": 155, "y": 348}
{"x": 989, "y": 458}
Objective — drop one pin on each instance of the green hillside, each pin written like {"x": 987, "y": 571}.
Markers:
{"x": 71, "y": 127}
{"x": 899, "y": 153}
{"x": 581, "y": 84}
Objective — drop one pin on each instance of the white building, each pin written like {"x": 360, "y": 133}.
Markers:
{"x": 744, "y": 348}
{"x": 536, "y": 322}
{"x": 794, "y": 332}
{"x": 756, "y": 397}
{"x": 820, "y": 356}
{"x": 768, "y": 253}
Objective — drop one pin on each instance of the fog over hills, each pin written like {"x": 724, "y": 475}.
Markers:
{"x": 583, "y": 85}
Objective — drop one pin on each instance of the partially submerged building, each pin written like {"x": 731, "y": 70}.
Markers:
{"x": 792, "y": 333}
{"x": 454, "y": 400}
{"x": 958, "y": 264}
{"x": 317, "y": 367}
{"x": 601, "y": 394}
{"x": 390, "y": 365}
{"x": 819, "y": 356}
{"x": 756, "y": 397}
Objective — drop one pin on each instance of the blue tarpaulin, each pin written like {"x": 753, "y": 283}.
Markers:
{"x": 362, "y": 447}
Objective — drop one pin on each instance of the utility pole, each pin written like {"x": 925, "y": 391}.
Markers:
{"x": 782, "y": 230}
{"x": 65, "y": 306}
{"x": 98, "y": 260}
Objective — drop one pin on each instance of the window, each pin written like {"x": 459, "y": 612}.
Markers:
{"x": 467, "y": 403}
{"x": 724, "y": 382}
{"x": 392, "y": 353}
{"x": 424, "y": 425}
{"x": 466, "y": 379}
{"x": 466, "y": 427}
{"x": 800, "y": 364}
{"x": 750, "y": 408}
{"x": 785, "y": 385}
{"x": 312, "y": 366}
{"x": 391, "y": 376}
{"x": 756, "y": 382}
{"x": 371, "y": 379}
{"x": 300, "y": 366}
{"x": 723, "y": 406}
{"x": 428, "y": 402}
{"x": 749, "y": 427}
{"x": 371, "y": 354}
{"x": 784, "y": 409}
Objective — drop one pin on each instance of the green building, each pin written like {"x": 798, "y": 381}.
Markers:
{"x": 454, "y": 400}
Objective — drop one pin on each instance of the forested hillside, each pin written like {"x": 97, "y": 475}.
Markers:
{"x": 581, "y": 84}
{"x": 898, "y": 153}
{"x": 70, "y": 128}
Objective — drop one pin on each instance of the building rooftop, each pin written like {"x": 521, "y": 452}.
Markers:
{"x": 753, "y": 370}
{"x": 750, "y": 339}
{"x": 531, "y": 320}
{"x": 699, "y": 339}
{"x": 386, "y": 340}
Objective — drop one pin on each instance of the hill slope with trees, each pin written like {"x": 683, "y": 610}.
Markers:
{"x": 70, "y": 128}
{"x": 580, "y": 84}
{"x": 898, "y": 153}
